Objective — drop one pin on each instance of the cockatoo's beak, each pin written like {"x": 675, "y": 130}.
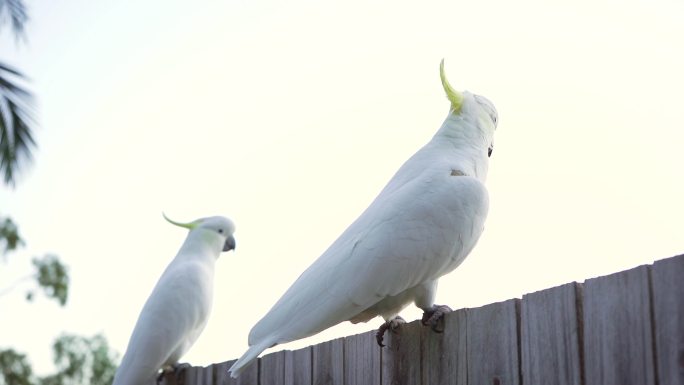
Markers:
{"x": 230, "y": 244}
{"x": 189, "y": 225}
{"x": 455, "y": 97}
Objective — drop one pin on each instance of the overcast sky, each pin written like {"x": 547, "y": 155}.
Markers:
{"x": 289, "y": 117}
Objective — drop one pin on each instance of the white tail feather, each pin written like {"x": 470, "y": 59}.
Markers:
{"x": 250, "y": 355}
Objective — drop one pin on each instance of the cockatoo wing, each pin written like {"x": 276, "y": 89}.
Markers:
{"x": 170, "y": 322}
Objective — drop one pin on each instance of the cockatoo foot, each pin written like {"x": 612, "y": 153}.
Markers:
{"x": 433, "y": 315}
{"x": 390, "y": 325}
{"x": 165, "y": 372}
{"x": 174, "y": 371}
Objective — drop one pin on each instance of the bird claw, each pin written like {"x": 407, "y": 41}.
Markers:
{"x": 174, "y": 370}
{"x": 390, "y": 325}
{"x": 164, "y": 372}
{"x": 434, "y": 315}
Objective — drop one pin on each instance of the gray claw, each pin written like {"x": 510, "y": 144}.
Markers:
{"x": 434, "y": 315}
{"x": 390, "y": 325}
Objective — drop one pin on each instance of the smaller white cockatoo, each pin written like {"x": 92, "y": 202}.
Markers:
{"x": 178, "y": 308}
{"x": 421, "y": 226}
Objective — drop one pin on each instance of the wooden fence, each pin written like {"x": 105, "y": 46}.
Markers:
{"x": 622, "y": 329}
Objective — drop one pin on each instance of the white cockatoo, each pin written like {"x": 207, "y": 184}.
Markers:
{"x": 178, "y": 308}
{"x": 420, "y": 227}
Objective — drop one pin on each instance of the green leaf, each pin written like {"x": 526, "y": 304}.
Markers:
{"x": 16, "y": 13}
{"x": 15, "y": 368}
{"x": 82, "y": 360}
{"x": 9, "y": 236}
{"x": 53, "y": 277}
{"x": 17, "y": 122}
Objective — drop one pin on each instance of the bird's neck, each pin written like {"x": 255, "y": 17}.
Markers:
{"x": 200, "y": 244}
{"x": 466, "y": 144}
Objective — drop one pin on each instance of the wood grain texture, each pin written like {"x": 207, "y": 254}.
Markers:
{"x": 328, "y": 363}
{"x": 249, "y": 376}
{"x": 550, "y": 337}
{"x": 668, "y": 310}
{"x": 362, "y": 359}
{"x": 443, "y": 355}
{"x": 618, "y": 344}
{"x": 298, "y": 366}
{"x": 198, "y": 375}
{"x": 492, "y": 344}
{"x": 401, "y": 356}
{"x": 272, "y": 369}
{"x": 625, "y": 328}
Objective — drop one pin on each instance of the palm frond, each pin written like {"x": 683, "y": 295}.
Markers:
{"x": 17, "y": 120}
{"x": 16, "y": 13}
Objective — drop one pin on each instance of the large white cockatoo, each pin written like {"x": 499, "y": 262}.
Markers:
{"x": 178, "y": 308}
{"x": 420, "y": 227}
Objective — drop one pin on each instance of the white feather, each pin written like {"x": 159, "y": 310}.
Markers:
{"x": 421, "y": 226}
{"x": 178, "y": 308}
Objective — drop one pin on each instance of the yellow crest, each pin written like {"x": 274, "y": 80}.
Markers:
{"x": 189, "y": 225}
{"x": 455, "y": 97}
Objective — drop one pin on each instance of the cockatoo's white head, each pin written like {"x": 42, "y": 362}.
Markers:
{"x": 474, "y": 105}
{"x": 220, "y": 227}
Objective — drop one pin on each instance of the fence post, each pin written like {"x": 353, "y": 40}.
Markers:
{"x": 443, "y": 360}
{"x": 618, "y": 343}
{"x": 362, "y": 359}
{"x": 492, "y": 344}
{"x": 401, "y": 356}
{"x": 328, "y": 362}
{"x": 298, "y": 366}
{"x": 668, "y": 311}
{"x": 550, "y": 336}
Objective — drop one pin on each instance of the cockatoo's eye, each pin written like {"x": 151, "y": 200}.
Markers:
{"x": 490, "y": 150}
{"x": 220, "y": 231}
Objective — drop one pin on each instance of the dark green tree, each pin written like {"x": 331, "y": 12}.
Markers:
{"x": 9, "y": 236}
{"x": 17, "y": 104}
{"x": 14, "y": 368}
{"x": 82, "y": 360}
{"x": 79, "y": 360}
{"x": 50, "y": 276}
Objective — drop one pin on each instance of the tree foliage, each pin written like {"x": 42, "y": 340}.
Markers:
{"x": 9, "y": 236}
{"x": 15, "y": 368}
{"x": 52, "y": 276}
{"x": 14, "y": 12}
{"x": 79, "y": 361}
{"x": 17, "y": 121}
{"x": 17, "y": 104}
{"x": 82, "y": 360}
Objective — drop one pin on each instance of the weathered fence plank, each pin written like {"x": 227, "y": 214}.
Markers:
{"x": 249, "y": 376}
{"x": 362, "y": 360}
{"x": 272, "y": 369}
{"x": 198, "y": 375}
{"x": 492, "y": 344}
{"x": 550, "y": 337}
{"x": 668, "y": 311}
{"x": 401, "y": 356}
{"x": 298, "y": 366}
{"x": 443, "y": 358}
{"x": 617, "y": 329}
{"x": 328, "y": 363}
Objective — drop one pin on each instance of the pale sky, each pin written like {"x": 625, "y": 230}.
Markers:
{"x": 290, "y": 117}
